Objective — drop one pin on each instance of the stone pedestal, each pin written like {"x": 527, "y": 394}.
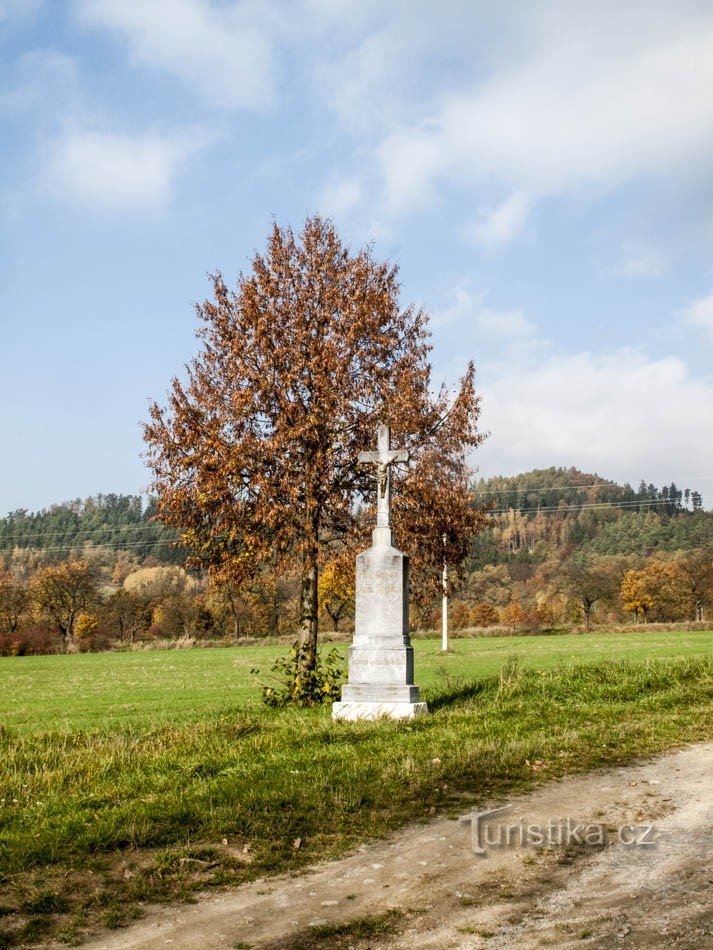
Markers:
{"x": 381, "y": 656}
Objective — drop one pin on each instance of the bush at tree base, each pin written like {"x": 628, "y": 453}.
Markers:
{"x": 299, "y": 687}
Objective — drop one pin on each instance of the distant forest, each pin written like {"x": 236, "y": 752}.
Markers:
{"x": 533, "y": 516}
{"x": 559, "y": 547}
{"x": 117, "y": 522}
{"x": 558, "y": 511}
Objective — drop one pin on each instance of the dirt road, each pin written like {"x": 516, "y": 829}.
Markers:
{"x": 605, "y": 885}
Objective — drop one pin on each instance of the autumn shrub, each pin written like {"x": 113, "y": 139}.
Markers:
{"x": 484, "y": 615}
{"x": 532, "y": 621}
{"x": 34, "y": 640}
{"x": 513, "y": 615}
{"x": 86, "y": 629}
{"x": 460, "y": 615}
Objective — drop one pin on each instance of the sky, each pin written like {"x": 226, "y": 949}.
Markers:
{"x": 541, "y": 172}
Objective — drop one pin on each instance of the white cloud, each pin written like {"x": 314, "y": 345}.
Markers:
{"x": 223, "y": 50}
{"x": 497, "y": 226}
{"x": 469, "y": 312}
{"x": 339, "y": 197}
{"x": 621, "y": 414}
{"x": 641, "y": 262}
{"x": 116, "y": 172}
{"x": 699, "y": 314}
{"x": 357, "y": 82}
{"x": 605, "y": 93}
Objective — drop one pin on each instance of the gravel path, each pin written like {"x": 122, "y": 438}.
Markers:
{"x": 598, "y": 893}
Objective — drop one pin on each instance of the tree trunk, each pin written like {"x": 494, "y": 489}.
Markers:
{"x": 234, "y": 612}
{"x": 275, "y": 611}
{"x": 65, "y": 636}
{"x": 307, "y": 632}
{"x": 334, "y": 617}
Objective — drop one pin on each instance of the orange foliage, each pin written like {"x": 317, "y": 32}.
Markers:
{"x": 255, "y": 456}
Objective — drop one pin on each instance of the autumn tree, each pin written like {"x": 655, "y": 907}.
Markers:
{"x": 127, "y": 613}
{"x": 695, "y": 569}
{"x": 63, "y": 591}
{"x": 588, "y": 580}
{"x": 483, "y": 614}
{"x": 658, "y": 587}
{"x": 635, "y": 596}
{"x": 14, "y": 600}
{"x": 255, "y": 455}
{"x": 336, "y": 586}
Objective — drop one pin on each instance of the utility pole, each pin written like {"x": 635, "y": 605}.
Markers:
{"x": 444, "y": 607}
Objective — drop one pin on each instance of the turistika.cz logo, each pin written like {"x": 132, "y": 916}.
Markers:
{"x": 487, "y": 835}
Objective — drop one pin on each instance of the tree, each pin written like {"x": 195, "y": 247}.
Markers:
{"x": 588, "y": 579}
{"x": 336, "y": 586}
{"x": 635, "y": 596}
{"x": 63, "y": 591}
{"x": 255, "y": 456}
{"x": 484, "y": 615}
{"x": 696, "y": 572}
{"x": 658, "y": 586}
{"x": 128, "y": 613}
{"x": 14, "y": 600}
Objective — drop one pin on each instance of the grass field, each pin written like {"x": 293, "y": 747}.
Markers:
{"x": 116, "y": 690}
{"x": 133, "y": 777}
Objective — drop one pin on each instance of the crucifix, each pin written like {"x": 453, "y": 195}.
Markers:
{"x": 384, "y": 458}
{"x": 381, "y": 679}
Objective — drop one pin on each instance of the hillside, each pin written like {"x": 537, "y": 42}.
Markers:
{"x": 534, "y": 515}
{"x": 552, "y": 512}
{"x": 559, "y": 546}
{"x": 116, "y": 522}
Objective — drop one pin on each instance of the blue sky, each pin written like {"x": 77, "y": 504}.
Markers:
{"x": 541, "y": 172}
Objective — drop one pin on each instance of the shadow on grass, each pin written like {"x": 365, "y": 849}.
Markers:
{"x": 457, "y": 693}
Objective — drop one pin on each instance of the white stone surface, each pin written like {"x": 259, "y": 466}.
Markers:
{"x": 353, "y": 712}
{"x": 381, "y": 656}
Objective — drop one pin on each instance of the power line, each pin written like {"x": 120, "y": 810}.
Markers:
{"x": 563, "y": 488}
{"x": 553, "y": 509}
{"x": 84, "y": 533}
{"x": 604, "y": 504}
{"x": 104, "y": 530}
{"x": 125, "y": 544}
{"x": 555, "y": 488}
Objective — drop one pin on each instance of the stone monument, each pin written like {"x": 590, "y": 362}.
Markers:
{"x": 381, "y": 656}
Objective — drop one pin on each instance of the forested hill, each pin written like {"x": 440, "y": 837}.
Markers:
{"x": 534, "y": 516}
{"x": 544, "y": 488}
{"x": 547, "y": 512}
{"x": 118, "y": 522}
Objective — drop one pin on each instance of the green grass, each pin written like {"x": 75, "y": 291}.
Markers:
{"x": 117, "y": 690}
{"x": 344, "y": 934}
{"x": 123, "y": 775}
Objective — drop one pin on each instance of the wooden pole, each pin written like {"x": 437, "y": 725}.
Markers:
{"x": 444, "y": 606}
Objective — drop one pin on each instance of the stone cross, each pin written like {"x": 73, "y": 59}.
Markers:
{"x": 384, "y": 458}
{"x": 381, "y": 656}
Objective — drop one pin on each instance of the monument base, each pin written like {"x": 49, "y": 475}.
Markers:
{"x": 355, "y": 710}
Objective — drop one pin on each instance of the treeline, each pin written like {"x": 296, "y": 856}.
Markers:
{"x": 74, "y": 576}
{"x": 563, "y": 546}
{"x": 99, "y": 603}
{"x": 116, "y": 522}
{"x": 552, "y": 512}
{"x": 545, "y": 489}
{"x": 587, "y": 588}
